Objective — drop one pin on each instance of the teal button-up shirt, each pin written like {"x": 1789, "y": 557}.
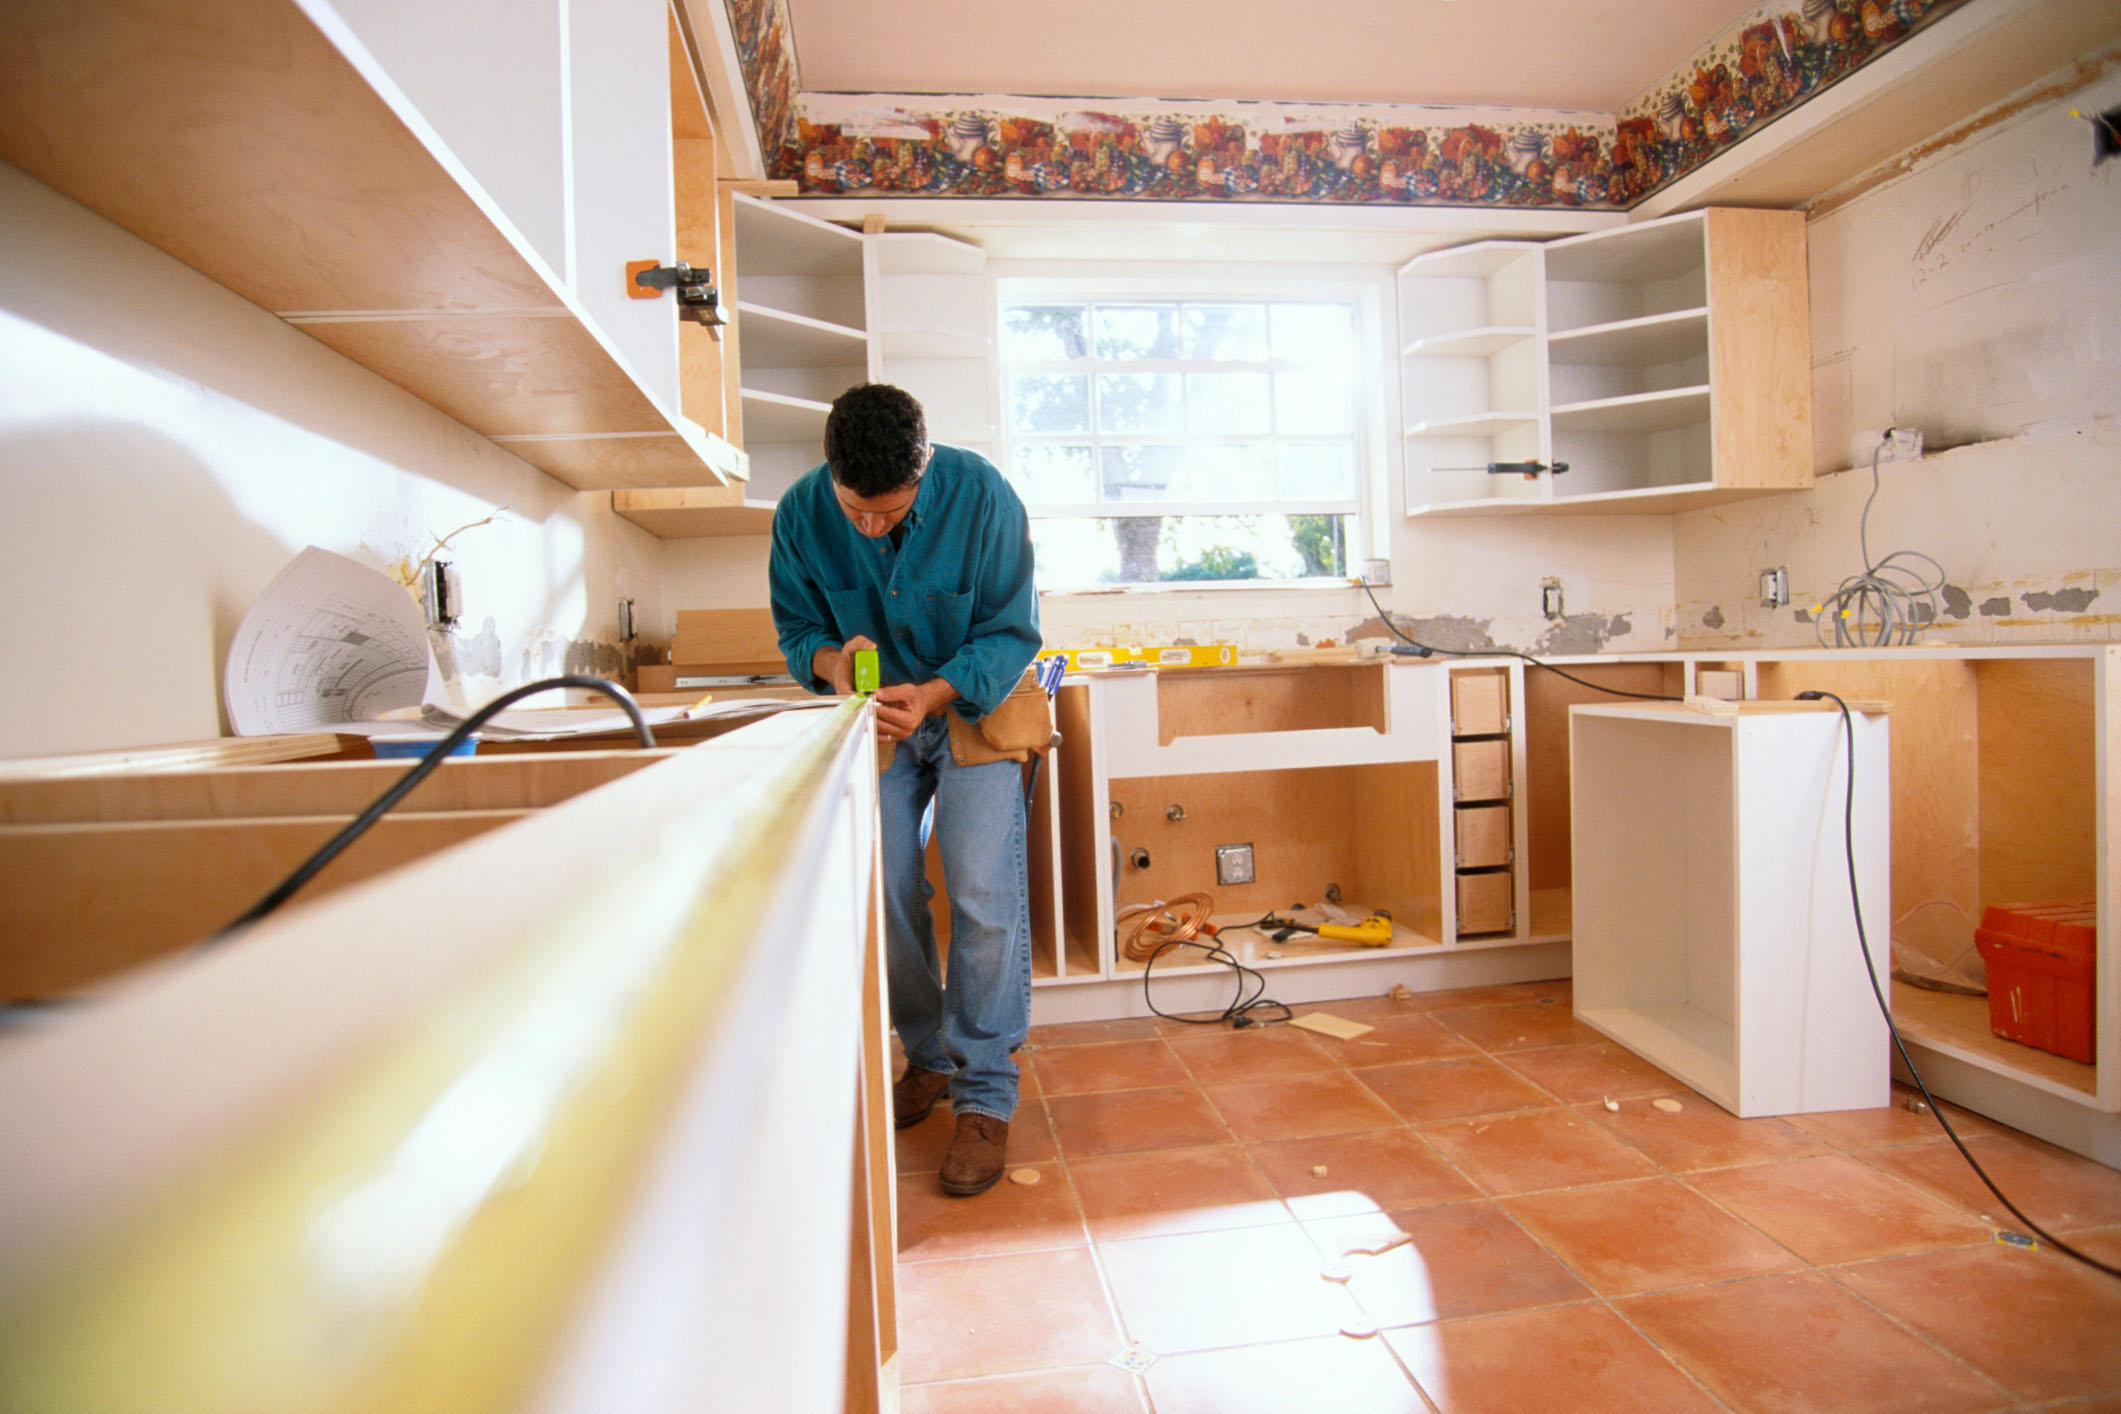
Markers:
{"x": 954, "y": 600}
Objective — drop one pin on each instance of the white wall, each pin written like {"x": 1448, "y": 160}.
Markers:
{"x": 166, "y": 447}
{"x": 1977, "y": 298}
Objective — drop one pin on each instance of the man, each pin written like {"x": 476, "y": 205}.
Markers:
{"x": 924, "y": 554}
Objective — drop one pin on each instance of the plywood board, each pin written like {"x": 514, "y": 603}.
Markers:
{"x": 1936, "y": 764}
{"x": 1483, "y": 836}
{"x": 503, "y": 374}
{"x": 1960, "y": 1024}
{"x": 1480, "y": 701}
{"x": 726, "y": 636}
{"x": 342, "y": 788}
{"x": 1230, "y": 701}
{"x": 1360, "y": 827}
{"x": 1082, "y": 835}
{"x": 87, "y": 901}
{"x": 2039, "y": 778}
{"x": 1760, "y": 354}
{"x": 1545, "y": 796}
{"x": 216, "y": 132}
{"x": 186, "y": 755}
{"x": 685, "y": 512}
{"x": 1480, "y": 770}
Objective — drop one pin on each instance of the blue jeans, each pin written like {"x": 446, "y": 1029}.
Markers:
{"x": 966, "y": 1024}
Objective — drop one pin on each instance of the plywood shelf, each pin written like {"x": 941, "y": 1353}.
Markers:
{"x": 1469, "y": 343}
{"x": 689, "y": 512}
{"x": 239, "y": 138}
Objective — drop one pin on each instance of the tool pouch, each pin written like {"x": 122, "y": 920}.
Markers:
{"x": 1019, "y": 729}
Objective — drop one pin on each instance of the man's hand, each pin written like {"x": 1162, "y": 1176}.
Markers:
{"x": 902, "y": 707}
{"x": 836, "y": 665}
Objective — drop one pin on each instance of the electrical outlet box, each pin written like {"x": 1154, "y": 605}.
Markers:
{"x": 1233, "y": 864}
{"x": 443, "y": 592}
{"x": 1889, "y": 444}
{"x": 1774, "y": 587}
{"x": 1377, "y": 573}
{"x": 1550, "y": 598}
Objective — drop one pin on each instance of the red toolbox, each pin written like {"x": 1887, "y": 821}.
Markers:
{"x": 2041, "y": 957}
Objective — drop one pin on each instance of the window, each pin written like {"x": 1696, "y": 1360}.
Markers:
{"x": 1183, "y": 439}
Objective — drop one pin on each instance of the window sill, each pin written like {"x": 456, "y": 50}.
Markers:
{"x": 1208, "y": 586}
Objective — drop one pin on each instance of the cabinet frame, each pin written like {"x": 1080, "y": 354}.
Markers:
{"x": 1638, "y": 338}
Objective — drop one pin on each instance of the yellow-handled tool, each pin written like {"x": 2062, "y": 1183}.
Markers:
{"x": 1373, "y": 932}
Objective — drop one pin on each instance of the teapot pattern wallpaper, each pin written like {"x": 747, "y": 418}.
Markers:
{"x": 1003, "y": 146}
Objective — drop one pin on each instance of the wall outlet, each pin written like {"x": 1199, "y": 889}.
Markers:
{"x": 1774, "y": 587}
{"x": 1889, "y": 444}
{"x": 442, "y": 594}
{"x": 1377, "y": 573}
{"x": 1233, "y": 864}
{"x": 1550, "y": 598}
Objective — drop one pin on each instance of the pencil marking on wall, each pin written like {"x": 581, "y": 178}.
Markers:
{"x": 1938, "y": 230}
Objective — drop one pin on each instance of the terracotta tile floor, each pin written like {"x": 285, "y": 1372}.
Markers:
{"x": 1516, "y": 1226}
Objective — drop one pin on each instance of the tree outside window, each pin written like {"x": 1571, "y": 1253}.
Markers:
{"x": 1209, "y": 440}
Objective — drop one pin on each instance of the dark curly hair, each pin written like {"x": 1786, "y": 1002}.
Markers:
{"x": 876, "y": 439}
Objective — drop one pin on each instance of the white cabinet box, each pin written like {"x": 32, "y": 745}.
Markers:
{"x": 1715, "y": 934}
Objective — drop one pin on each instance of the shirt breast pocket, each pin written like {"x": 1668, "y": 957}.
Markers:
{"x": 945, "y": 620}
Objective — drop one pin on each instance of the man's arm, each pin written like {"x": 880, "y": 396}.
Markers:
{"x": 1004, "y": 635}
{"x": 801, "y": 618}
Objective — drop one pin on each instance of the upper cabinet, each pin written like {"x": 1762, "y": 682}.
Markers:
{"x": 1655, "y": 367}
{"x": 816, "y": 309}
{"x": 455, "y": 217}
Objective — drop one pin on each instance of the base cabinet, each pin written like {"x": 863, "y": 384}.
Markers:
{"x": 1997, "y": 762}
{"x": 1715, "y": 929}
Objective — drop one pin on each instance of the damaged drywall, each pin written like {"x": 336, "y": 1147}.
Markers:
{"x": 1973, "y": 298}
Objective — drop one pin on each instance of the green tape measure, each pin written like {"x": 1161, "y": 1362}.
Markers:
{"x": 865, "y": 674}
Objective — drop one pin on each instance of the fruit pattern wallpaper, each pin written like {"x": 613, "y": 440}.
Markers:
{"x": 996, "y": 146}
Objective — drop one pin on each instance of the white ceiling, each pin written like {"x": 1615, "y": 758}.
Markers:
{"x": 1560, "y": 54}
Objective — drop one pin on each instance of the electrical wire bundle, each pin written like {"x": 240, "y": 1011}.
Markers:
{"x": 35, "y": 1008}
{"x": 1169, "y": 925}
{"x": 1891, "y": 601}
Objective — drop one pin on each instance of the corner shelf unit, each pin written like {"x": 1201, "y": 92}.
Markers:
{"x": 1613, "y": 371}
{"x": 1471, "y": 379}
{"x": 935, "y": 331}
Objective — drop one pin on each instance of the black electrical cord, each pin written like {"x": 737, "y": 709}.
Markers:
{"x": 436, "y": 754}
{"x": 1239, "y": 1012}
{"x": 28, "y": 1010}
{"x": 1870, "y": 970}
{"x": 1425, "y": 649}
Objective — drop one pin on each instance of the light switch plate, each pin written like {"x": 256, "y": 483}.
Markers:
{"x": 1233, "y": 864}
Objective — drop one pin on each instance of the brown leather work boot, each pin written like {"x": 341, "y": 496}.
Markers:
{"x": 975, "y": 1158}
{"x": 914, "y": 1094}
